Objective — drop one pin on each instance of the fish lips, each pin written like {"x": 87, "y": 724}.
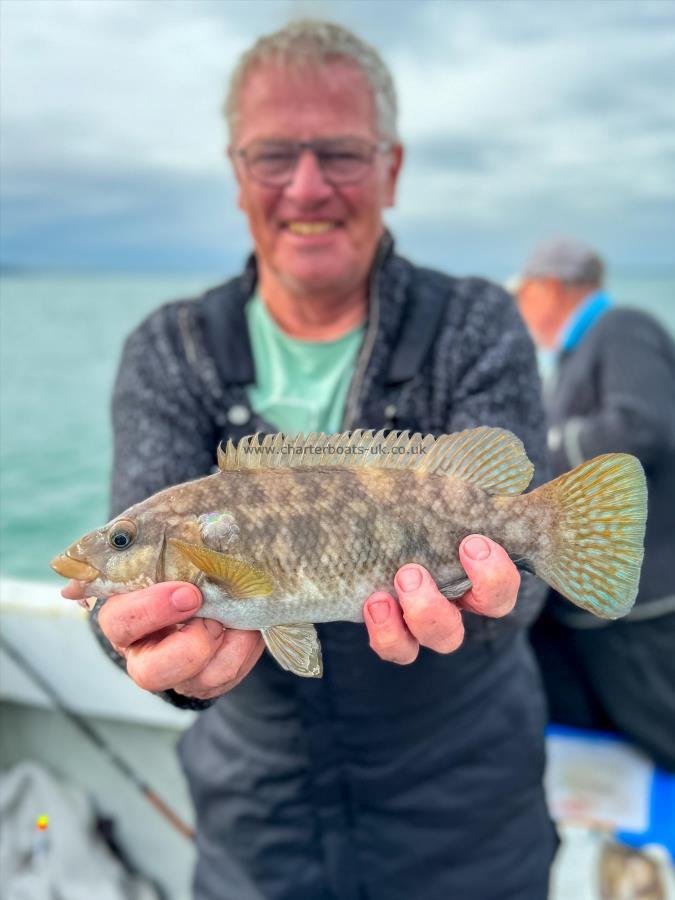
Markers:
{"x": 74, "y": 568}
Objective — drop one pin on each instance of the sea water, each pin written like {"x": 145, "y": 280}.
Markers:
{"x": 61, "y": 339}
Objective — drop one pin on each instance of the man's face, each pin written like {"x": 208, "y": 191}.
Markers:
{"x": 333, "y": 253}
{"x": 539, "y": 301}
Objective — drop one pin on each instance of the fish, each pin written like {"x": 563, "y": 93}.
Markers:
{"x": 625, "y": 872}
{"x": 290, "y": 532}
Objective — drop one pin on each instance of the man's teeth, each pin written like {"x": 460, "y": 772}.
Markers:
{"x": 310, "y": 227}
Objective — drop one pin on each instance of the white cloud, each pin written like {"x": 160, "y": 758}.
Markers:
{"x": 510, "y": 109}
{"x": 114, "y": 84}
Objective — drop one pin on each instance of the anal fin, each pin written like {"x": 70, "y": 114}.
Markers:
{"x": 296, "y": 648}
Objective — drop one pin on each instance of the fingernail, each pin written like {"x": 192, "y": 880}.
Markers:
{"x": 215, "y": 629}
{"x": 379, "y": 611}
{"x": 476, "y": 547}
{"x": 185, "y": 598}
{"x": 409, "y": 579}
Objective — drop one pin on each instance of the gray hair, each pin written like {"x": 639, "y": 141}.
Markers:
{"x": 314, "y": 42}
{"x": 566, "y": 258}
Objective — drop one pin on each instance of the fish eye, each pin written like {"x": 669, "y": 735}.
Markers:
{"x": 122, "y": 534}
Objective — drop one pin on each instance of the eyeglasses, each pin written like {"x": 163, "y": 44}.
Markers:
{"x": 341, "y": 160}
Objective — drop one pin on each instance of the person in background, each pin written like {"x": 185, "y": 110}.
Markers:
{"x": 612, "y": 390}
{"x": 378, "y": 780}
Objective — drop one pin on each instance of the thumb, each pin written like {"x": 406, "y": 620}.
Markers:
{"x": 494, "y": 577}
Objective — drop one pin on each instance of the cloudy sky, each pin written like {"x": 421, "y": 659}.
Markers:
{"x": 521, "y": 120}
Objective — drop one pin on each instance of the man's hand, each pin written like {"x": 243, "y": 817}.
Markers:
{"x": 198, "y": 659}
{"x": 423, "y": 617}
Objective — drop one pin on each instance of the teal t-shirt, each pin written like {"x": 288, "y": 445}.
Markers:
{"x": 301, "y": 386}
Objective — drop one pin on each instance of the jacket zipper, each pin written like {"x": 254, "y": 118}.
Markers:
{"x": 366, "y": 351}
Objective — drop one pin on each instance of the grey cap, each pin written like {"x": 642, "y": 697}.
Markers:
{"x": 567, "y": 259}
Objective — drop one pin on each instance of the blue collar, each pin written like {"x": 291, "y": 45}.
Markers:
{"x": 582, "y": 320}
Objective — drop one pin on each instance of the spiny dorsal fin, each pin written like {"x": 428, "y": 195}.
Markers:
{"x": 240, "y": 579}
{"x": 491, "y": 458}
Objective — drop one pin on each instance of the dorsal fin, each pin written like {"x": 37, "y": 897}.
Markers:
{"x": 491, "y": 458}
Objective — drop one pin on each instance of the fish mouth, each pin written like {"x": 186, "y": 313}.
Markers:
{"x": 73, "y": 568}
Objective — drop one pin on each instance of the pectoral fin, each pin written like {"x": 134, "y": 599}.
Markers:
{"x": 296, "y": 648}
{"x": 239, "y": 579}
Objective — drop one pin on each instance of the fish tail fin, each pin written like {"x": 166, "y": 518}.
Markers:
{"x": 595, "y": 552}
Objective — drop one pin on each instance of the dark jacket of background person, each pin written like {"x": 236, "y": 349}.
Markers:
{"x": 377, "y": 780}
{"x": 615, "y": 392}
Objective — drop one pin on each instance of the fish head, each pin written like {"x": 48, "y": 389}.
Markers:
{"x": 136, "y": 549}
{"x": 125, "y": 555}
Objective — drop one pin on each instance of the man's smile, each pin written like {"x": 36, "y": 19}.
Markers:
{"x": 301, "y": 227}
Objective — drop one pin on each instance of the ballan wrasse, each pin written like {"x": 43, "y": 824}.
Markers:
{"x": 294, "y": 531}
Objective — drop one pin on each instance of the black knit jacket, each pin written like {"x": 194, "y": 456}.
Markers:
{"x": 368, "y": 780}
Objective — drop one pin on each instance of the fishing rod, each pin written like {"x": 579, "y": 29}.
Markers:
{"x": 85, "y": 728}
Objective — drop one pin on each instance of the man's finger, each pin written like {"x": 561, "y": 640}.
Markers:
{"x": 178, "y": 657}
{"x": 127, "y": 618}
{"x": 234, "y": 658}
{"x": 431, "y": 617}
{"x": 494, "y": 577}
{"x": 389, "y": 637}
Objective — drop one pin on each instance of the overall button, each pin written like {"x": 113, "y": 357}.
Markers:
{"x": 554, "y": 438}
{"x": 238, "y": 414}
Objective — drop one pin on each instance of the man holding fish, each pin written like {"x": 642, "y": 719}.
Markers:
{"x": 375, "y": 780}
